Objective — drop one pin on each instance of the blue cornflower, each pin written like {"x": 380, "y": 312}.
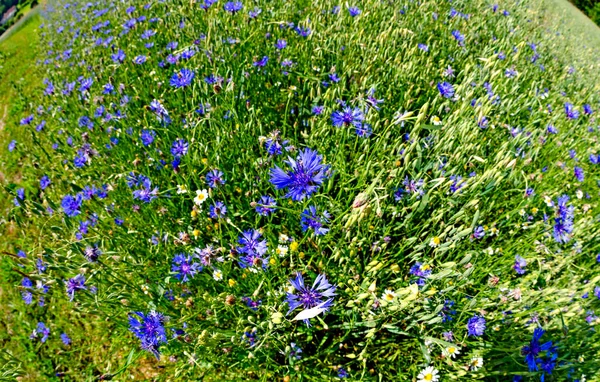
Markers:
{"x": 533, "y": 350}
{"x": 303, "y": 31}
{"x": 44, "y": 182}
{"x": 423, "y": 47}
{"x": 179, "y": 148}
{"x": 108, "y": 89}
{"x": 161, "y": 113}
{"x": 347, "y": 117}
{"x": 478, "y": 232}
{"x": 354, "y": 11}
{"x": 307, "y": 174}
{"x": 185, "y": 267}
{"x": 139, "y": 59}
{"x": 215, "y": 178}
{"x": 146, "y": 193}
{"x": 563, "y": 222}
{"x": 364, "y": 131}
{"x": 149, "y": 329}
{"x": 597, "y": 289}
{"x": 275, "y": 144}
{"x": 318, "y": 109}
{"x": 218, "y": 210}
{"x": 320, "y": 295}
{"x": 92, "y": 253}
{"x": 12, "y": 145}
{"x": 27, "y": 120}
{"x": 587, "y": 109}
{"x": 262, "y": 62}
{"x": 342, "y": 373}
{"x": 71, "y": 205}
{"x": 85, "y": 84}
{"x": 458, "y": 37}
{"x": 233, "y": 6}
{"x": 280, "y": 44}
{"x": 578, "y": 171}
{"x": 570, "y": 111}
{"x": 446, "y": 89}
{"x": 118, "y": 57}
{"x": 476, "y": 326}
{"x": 75, "y": 284}
{"x": 310, "y": 219}
{"x": 147, "y": 137}
{"x": 520, "y": 264}
{"x": 40, "y": 329}
{"x": 254, "y": 13}
{"x": 266, "y": 205}
{"x": 254, "y": 305}
{"x": 65, "y": 339}
{"x": 552, "y": 130}
{"x": 182, "y": 79}
{"x": 253, "y": 250}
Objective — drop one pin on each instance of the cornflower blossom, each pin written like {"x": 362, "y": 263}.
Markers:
{"x": 446, "y": 89}
{"x": 570, "y": 111}
{"x": 75, "y": 284}
{"x": 182, "y": 78}
{"x": 218, "y": 210}
{"x": 478, "y": 232}
{"x": 306, "y": 175}
{"x": 146, "y": 193}
{"x": 520, "y": 264}
{"x": 149, "y": 329}
{"x": 71, "y": 205}
{"x": 266, "y": 205}
{"x": 579, "y": 175}
{"x": 65, "y": 339}
{"x": 533, "y": 350}
{"x": 354, "y": 11}
{"x": 215, "y": 178}
{"x": 40, "y": 330}
{"x": 563, "y": 222}
{"x": 476, "y": 326}
{"x": 313, "y": 300}
{"x": 252, "y": 249}
{"x": 348, "y": 117}
{"x": 310, "y": 219}
{"x": 161, "y": 113}
{"x": 233, "y": 6}
{"x": 184, "y": 267}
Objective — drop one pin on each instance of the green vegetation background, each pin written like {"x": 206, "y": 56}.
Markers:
{"x": 19, "y": 77}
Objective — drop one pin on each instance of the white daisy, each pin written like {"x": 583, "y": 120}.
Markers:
{"x": 429, "y": 374}
{"x": 217, "y": 274}
{"x": 281, "y": 250}
{"x": 201, "y": 196}
{"x": 388, "y": 295}
{"x": 181, "y": 189}
{"x": 451, "y": 351}
{"x": 476, "y": 363}
{"x": 435, "y": 241}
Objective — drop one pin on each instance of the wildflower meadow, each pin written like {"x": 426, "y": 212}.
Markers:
{"x": 293, "y": 190}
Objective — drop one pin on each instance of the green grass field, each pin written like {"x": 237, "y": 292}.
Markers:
{"x": 389, "y": 321}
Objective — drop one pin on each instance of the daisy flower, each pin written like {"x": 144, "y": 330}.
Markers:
{"x": 388, "y": 295}
{"x": 429, "y": 374}
{"x": 201, "y": 196}
{"x": 451, "y": 351}
{"x": 181, "y": 189}
{"x": 217, "y": 275}
{"x": 476, "y": 363}
{"x": 435, "y": 241}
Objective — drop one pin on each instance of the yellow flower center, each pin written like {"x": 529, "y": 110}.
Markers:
{"x": 428, "y": 377}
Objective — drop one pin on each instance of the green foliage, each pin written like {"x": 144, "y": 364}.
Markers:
{"x": 382, "y": 325}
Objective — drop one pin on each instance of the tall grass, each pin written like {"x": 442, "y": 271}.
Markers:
{"x": 451, "y": 184}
